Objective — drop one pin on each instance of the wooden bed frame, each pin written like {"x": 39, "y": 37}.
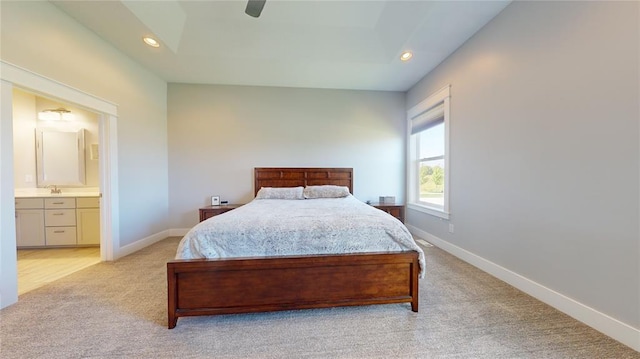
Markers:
{"x": 259, "y": 284}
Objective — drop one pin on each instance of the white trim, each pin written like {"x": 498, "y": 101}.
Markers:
{"x": 429, "y": 102}
{"x": 147, "y": 241}
{"x": 8, "y": 258}
{"x": 441, "y": 96}
{"x": 109, "y": 203}
{"x": 53, "y": 89}
{"x": 178, "y": 232}
{"x": 142, "y": 243}
{"x": 428, "y": 210}
{"x": 447, "y": 153}
{"x": 612, "y": 327}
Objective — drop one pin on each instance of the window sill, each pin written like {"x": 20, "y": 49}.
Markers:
{"x": 429, "y": 210}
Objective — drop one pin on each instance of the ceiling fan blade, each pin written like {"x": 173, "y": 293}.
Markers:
{"x": 254, "y": 7}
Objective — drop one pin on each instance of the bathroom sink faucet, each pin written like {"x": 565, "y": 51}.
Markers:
{"x": 55, "y": 189}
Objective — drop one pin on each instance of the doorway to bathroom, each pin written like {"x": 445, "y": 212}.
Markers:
{"x": 57, "y": 188}
{"x": 14, "y": 77}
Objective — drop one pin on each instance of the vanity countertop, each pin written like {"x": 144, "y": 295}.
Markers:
{"x": 65, "y": 192}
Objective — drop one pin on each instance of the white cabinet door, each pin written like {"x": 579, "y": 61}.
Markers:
{"x": 30, "y": 228}
{"x": 88, "y": 225}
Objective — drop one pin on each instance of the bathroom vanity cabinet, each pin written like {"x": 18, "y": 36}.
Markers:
{"x": 57, "y": 221}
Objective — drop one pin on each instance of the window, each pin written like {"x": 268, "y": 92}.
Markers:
{"x": 428, "y": 169}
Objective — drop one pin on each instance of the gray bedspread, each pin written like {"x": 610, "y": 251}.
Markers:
{"x": 274, "y": 227}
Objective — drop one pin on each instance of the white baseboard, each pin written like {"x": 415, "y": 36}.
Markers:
{"x": 178, "y": 232}
{"x": 138, "y": 245}
{"x": 601, "y": 322}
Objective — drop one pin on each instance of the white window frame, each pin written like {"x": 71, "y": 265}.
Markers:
{"x": 441, "y": 96}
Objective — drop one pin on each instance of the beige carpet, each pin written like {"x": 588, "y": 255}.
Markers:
{"x": 118, "y": 310}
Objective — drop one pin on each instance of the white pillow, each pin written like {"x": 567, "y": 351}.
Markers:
{"x": 280, "y": 193}
{"x": 327, "y": 191}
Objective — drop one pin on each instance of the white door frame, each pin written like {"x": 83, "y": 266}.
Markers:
{"x": 14, "y": 76}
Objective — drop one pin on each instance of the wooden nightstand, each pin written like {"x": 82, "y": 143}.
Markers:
{"x": 210, "y": 211}
{"x": 396, "y": 210}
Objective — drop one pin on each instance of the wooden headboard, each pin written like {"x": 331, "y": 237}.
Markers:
{"x": 293, "y": 177}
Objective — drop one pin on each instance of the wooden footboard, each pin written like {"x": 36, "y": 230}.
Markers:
{"x": 242, "y": 285}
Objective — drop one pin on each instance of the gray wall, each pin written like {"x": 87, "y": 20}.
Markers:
{"x": 39, "y": 37}
{"x": 218, "y": 134}
{"x": 544, "y": 149}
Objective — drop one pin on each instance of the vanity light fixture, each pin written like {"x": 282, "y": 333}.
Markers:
{"x": 56, "y": 114}
{"x": 406, "y": 56}
{"x": 151, "y": 41}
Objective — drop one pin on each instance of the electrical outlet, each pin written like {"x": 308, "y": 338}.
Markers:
{"x": 28, "y": 178}
{"x": 451, "y": 228}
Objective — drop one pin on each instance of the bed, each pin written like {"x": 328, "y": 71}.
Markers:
{"x": 209, "y": 286}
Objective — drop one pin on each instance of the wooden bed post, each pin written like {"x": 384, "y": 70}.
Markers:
{"x": 415, "y": 270}
{"x": 172, "y": 300}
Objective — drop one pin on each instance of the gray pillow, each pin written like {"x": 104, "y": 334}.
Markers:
{"x": 327, "y": 191}
{"x": 280, "y": 193}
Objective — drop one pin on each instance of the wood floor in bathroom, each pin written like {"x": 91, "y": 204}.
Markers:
{"x": 38, "y": 267}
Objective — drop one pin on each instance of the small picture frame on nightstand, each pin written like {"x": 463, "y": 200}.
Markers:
{"x": 215, "y": 200}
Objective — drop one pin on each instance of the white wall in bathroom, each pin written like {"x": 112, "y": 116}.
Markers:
{"x": 25, "y": 112}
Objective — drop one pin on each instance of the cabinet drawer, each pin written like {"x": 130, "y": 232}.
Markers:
{"x": 28, "y": 203}
{"x": 88, "y": 202}
{"x": 396, "y": 210}
{"x": 60, "y": 236}
{"x": 59, "y": 203}
{"x": 212, "y": 211}
{"x": 59, "y": 217}
{"x": 393, "y": 211}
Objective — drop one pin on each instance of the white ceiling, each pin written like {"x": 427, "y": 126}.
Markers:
{"x": 315, "y": 44}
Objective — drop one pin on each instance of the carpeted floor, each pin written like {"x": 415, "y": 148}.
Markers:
{"x": 118, "y": 310}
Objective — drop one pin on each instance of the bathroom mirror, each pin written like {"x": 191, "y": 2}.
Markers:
{"x": 60, "y": 157}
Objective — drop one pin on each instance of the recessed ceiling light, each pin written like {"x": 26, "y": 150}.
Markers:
{"x": 406, "y": 56}
{"x": 151, "y": 41}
